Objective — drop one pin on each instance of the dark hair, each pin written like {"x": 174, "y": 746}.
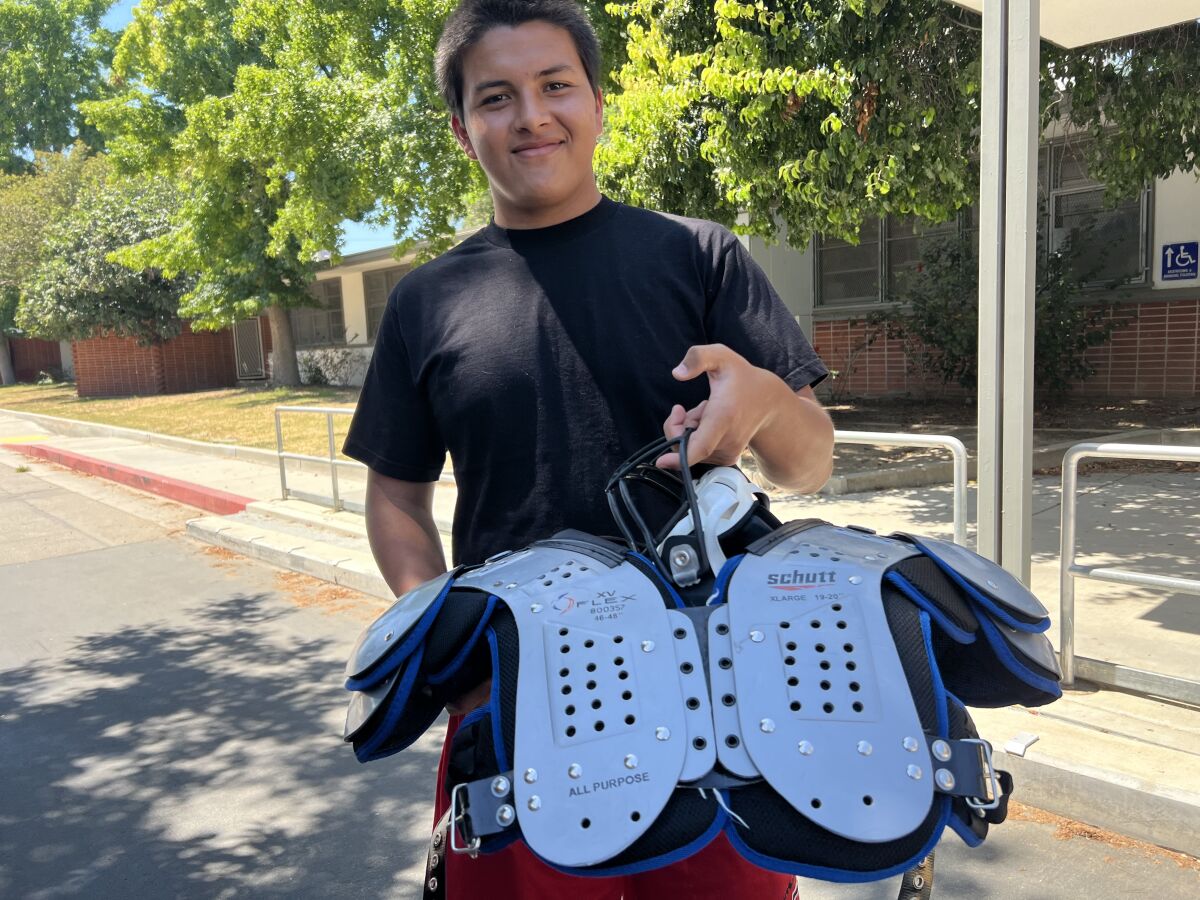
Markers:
{"x": 472, "y": 19}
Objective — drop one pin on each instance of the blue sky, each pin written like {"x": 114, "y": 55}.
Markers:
{"x": 357, "y": 237}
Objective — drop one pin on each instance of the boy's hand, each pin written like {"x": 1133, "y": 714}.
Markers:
{"x": 741, "y": 401}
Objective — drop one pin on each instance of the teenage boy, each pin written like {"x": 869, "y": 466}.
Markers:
{"x": 546, "y": 348}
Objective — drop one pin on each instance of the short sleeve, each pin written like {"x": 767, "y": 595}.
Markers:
{"x": 745, "y": 314}
{"x": 394, "y": 431}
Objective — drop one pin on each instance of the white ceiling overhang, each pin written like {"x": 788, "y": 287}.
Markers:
{"x": 1075, "y": 23}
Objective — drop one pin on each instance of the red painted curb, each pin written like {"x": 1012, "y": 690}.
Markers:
{"x": 216, "y": 501}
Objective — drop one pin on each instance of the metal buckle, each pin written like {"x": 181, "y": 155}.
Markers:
{"x": 456, "y": 816}
{"x": 993, "y": 783}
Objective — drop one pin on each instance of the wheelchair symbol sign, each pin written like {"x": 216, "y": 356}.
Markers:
{"x": 1181, "y": 261}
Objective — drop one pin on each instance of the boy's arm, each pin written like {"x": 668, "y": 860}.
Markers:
{"x": 788, "y": 431}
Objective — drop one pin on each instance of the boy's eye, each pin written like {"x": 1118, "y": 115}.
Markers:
{"x": 493, "y": 98}
{"x": 556, "y": 85}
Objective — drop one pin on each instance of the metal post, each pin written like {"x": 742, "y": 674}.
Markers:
{"x": 1066, "y": 581}
{"x": 993, "y": 145}
{"x": 1020, "y": 243}
{"x": 283, "y": 488}
{"x": 333, "y": 473}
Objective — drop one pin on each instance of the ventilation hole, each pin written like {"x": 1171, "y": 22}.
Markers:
{"x": 699, "y": 743}
{"x": 622, "y": 674}
{"x": 841, "y": 625}
{"x": 618, "y": 639}
{"x": 868, "y": 800}
{"x": 789, "y": 660}
{"x": 626, "y": 695}
{"x": 825, "y": 685}
{"x": 599, "y": 726}
{"x": 852, "y": 665}
{"x": 570, "y": 731}
{"x": 849, "y": 648}
{"x": 596, "y": 704}
{"x": 585, "y": 823}
{"x": 785, "y": 624}
{"x": 725, "y": 662}
{"x": 815, "y": 803}
{"x": 563, "y": 632}
{"x": 547, "y": 583}
{"x": 619, "y": 661}
{"x": 635, "y": 816}
{"x": 686, "y": 668}
{"x": 791, "y": 645}
{"x": 583, "y": 568}
{"x": 565, "y": 648}
{"x": 563, "y": 673}
{"x": 570, "y": 710}
{"x": 820, "y": 648}
{"x": 835, "y": 559}
{"x": 825, "y": 664}
{"x": 794, "y": 706}
{"x": 729, "y": 699}
{"x": 854, "y": 686}
{"x": 591, "y": 685}
{"x": 732, "y": 741}
{"x": 566, "y": 689}
{"x": 857, "y": 706}
{"x": 837, "y": 607}
{"x": 815, "y": 623}
{"x": 589, "y": 643}
{"x": 828, "y": 707}
{"x": 793, "y": 681}
{"x": 693, "y": 702}
{"x": 566, "y": 574}
{"x": 591, "y": 667}
{"x": 680, "y": 633}
{"x": 814, "y": 554}
{"x": 630, "y": 719}
{"x": 722, "y": 629}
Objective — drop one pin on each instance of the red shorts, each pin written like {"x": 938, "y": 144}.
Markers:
{"x": 715, "y": 873}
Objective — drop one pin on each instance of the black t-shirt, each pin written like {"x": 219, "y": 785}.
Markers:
{"x": 541, "y": 359}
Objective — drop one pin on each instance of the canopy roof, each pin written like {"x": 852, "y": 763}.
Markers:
{"x": 1074, "y": 23}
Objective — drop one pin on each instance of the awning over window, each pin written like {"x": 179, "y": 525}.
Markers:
{"x": 1074, "y": 23}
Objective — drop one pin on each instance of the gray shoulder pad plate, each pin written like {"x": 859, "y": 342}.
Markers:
{"x": 389, "y": 629}
{"x": 601, "y": 733}
{"x": 731, "y": 750}
{"x": 986, "y": 577}
{"x": 825, "y": 709}
{"x": 700, "y": 753}
{"x": 363, "y": 704}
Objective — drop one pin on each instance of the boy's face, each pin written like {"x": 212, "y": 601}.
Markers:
{"x": 531, "y": 120}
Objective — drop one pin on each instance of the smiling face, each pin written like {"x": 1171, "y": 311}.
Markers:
{"x": 531, "y": 120}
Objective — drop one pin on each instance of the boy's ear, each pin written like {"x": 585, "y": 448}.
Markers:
{"x": 599, "y": 111}
{"x": 464, "y": 139}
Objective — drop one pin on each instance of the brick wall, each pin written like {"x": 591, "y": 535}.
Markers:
{"x": 1156, "y": 355}
{"x": 29, "y": 357}
{"x": 114, "y": 366}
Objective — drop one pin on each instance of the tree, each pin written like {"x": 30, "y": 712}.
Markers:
{"x": 52, "y": 56}
{"x": 77, "y": 291}
{"x": 28, "y": 204}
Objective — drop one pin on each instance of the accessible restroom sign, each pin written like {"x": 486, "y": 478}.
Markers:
{"x": 1180, "y": 261}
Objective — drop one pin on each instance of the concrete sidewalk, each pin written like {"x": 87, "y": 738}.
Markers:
{"x": 1114, "y": 760}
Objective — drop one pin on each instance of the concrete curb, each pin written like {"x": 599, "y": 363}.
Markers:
{"x": 1119, "y": 803}
{"x": 206, "y": 498}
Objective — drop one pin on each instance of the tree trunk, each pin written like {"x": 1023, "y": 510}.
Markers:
{"x": 285, "y": 369}
{"x": 7, "y": 374}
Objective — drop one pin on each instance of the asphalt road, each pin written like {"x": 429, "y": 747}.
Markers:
{"x": 170, "y": 722}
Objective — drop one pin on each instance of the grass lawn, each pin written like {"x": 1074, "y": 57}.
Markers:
{"x": 243, "y": 416}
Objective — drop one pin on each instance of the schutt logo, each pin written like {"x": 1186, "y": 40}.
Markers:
{"x": 797, "y": 579}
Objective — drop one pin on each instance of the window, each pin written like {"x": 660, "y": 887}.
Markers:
{"x": 849, "y": 275}
{"x": 315, "y": 326}
{"x": 1108, "y": 243}
{"x": 378, "y": 286}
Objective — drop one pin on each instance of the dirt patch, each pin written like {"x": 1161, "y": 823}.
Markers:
{"x": 307, "y": 592}
{"x": 1126, "y": 467}
{"x": 1068, "y": 829}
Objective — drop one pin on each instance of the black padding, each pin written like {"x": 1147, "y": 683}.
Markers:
{"x": 926, "y": 576}
{"x": 778, "y": 831}
{"x": 979, "y": 678}
{"x": 684, "y": 819}
{"x": 904, "y": 621}
{"x": 454, "y": 626}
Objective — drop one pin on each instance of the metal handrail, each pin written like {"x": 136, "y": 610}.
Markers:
{"x": 329, "y": 412}
{"x": 1101, "y": 671}
{"x": 945, "y": 441}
